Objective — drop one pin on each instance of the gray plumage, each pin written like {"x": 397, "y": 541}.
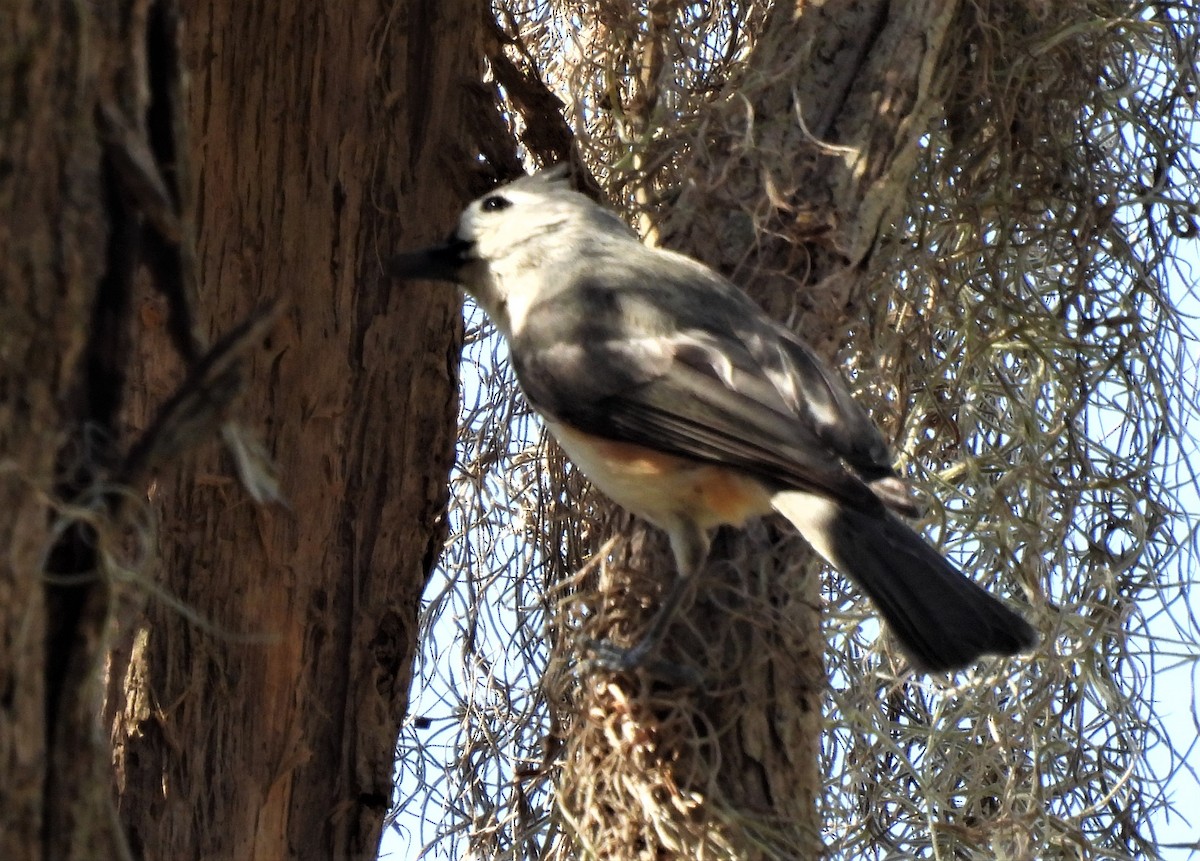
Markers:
{"x": 618, "y": 341}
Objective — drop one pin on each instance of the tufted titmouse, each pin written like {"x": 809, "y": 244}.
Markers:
{"x": 680, "y": 399}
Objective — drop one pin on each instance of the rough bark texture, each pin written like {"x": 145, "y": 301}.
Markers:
{"x": 51, "y": 241}
{"x": 258, "y": 718}
{"x": 857, "y": 73}
{"x": 68, "y": 242}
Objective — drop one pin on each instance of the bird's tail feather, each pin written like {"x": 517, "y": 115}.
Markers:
{"x": 942, "y": 620}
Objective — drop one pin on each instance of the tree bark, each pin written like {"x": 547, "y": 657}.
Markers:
{"x": 844, "y": 91}
{"x": 797, "y": 173}
{"x": 256, "y": 712}
{"x": 68, "y": 239}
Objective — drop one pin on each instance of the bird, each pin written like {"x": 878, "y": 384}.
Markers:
{"x": 680, "y": 399}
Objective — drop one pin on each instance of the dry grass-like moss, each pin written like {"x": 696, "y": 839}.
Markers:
{"x": 1024, "y": 353}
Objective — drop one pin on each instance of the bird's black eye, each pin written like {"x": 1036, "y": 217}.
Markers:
{"x": 495, "y": 203}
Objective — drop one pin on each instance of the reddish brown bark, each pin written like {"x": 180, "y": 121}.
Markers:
{"x": 260, "y": 717}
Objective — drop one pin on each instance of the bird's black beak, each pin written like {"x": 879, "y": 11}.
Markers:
{"x": 442, "y": 262}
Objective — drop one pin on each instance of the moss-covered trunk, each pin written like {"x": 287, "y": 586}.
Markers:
{"x": 796, "y": 167}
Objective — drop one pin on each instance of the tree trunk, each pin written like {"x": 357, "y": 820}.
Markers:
{"x": 261, "y": 702}
{"x": 858, "y": 75}
{"x": 67, "y": 249}
{"x": 807, "y": 202}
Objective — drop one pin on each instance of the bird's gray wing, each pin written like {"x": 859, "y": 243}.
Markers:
{"x": 719, "y": 386}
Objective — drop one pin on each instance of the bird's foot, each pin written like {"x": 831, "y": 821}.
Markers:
{"x": 606, "y": 655}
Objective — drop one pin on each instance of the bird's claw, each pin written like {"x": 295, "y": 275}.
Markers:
{"x": 608, "y": 656}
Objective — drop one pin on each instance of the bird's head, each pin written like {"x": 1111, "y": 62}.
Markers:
{"x": 509, "y": 239}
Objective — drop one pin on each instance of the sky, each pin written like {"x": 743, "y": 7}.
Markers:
{"x": 1177, "y": 702}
